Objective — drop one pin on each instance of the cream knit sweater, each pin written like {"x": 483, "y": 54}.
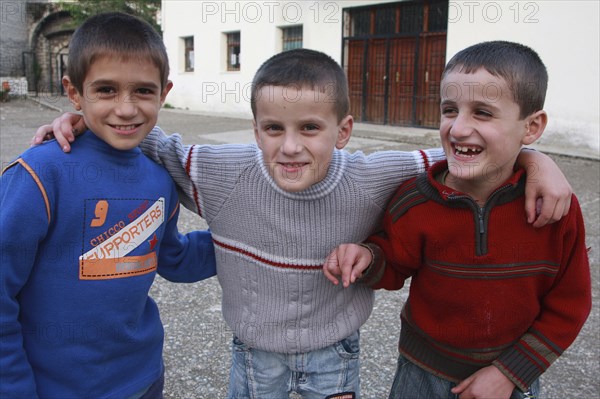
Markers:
{"x": 271, "y": 244}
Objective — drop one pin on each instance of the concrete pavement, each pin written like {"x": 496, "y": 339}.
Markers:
{"x": 197, "y": 339}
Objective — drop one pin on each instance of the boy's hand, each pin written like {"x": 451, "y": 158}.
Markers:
{"x": 547, "y": 191}
{"x": 348, "y": 261}
{"x": 64, "y": 128}
{"x": 486, "y": 383}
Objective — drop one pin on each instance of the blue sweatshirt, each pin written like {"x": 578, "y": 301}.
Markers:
{"x": 82, "y": 238}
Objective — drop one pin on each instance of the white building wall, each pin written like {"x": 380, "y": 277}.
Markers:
{"x": 565, "y": 34}
{"x": 211, "y": 88}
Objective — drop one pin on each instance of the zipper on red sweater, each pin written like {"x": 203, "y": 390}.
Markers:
{"x": 481, "y": 211}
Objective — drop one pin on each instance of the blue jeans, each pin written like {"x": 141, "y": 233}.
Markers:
{"x": 412, "y": 382}
{"x": 257, "y": 374}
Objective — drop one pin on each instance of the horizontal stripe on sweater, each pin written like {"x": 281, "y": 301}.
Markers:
{"x": 493, "y": 271}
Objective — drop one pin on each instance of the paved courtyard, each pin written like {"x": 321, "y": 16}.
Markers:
{"x": 197, "y": 340}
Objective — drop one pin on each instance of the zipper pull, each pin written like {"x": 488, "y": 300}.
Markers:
{"x": 481, "y": 228}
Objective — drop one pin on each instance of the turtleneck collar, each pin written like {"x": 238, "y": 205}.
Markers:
{"x": 318, "y": 190}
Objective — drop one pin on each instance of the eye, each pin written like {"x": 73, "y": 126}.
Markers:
{"x": 309, "y": 127}
{"x": 449, "y": 111}
{"x": 272, "y": 129}
{"x": 106, "y": 90}
{"x": 482, "y": 113}
{"x": 144, "y": 91}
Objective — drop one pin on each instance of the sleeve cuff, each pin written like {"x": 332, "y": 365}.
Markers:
{"x": 374, "y": 272}
{"x": 519, "y": 367}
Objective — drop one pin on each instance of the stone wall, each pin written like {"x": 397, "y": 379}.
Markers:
{"x": 13, "y": 37}
{"x": 34, "y": 37}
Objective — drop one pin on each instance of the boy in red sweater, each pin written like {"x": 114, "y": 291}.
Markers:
{"x": 493, "y": 301}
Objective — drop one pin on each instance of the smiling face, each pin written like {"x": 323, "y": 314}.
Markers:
{"x": 120, "y": 100}
{"x": 481, "y": 131}
{"x": 297, "y": 131}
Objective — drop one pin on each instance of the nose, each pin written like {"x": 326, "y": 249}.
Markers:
{"x": 462, "y": 126}
{"x": 291, "y": 143}
{"x": 125, "y": 107}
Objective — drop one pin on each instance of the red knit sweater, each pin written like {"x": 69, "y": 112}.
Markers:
{"x": 487, "y": 287}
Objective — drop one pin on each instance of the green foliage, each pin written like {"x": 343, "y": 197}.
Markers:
{"x": 82, "y": 9}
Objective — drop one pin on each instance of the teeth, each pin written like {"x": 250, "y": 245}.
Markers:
{"x": 124, "y": 127}
{"x": 467, "y": 150}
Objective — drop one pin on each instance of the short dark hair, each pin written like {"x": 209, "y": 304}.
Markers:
{"x": 304, "y": 68}
{"x": 114, "y": 34}
{"x": 520, "y": 66}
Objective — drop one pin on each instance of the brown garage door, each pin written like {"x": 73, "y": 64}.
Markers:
{"x": 394, "y": 55}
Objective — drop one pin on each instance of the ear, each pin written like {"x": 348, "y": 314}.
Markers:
{"x": 165, "y": 91}
{"x": 72, "y": 93}
{"x": 256, "y": 135}
{"x": 536, "y": 123}
{"x": 344, "y": 132}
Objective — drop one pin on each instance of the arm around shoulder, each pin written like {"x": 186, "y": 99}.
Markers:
{"x": 383, "y": 171}
{"x": 170, "y": 152}
{"x": 547, "y": 191}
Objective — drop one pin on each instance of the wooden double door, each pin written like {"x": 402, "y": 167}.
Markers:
{"x": 396, "y": 80}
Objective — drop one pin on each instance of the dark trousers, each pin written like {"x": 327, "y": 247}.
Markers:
{"x": 156, "y": 390}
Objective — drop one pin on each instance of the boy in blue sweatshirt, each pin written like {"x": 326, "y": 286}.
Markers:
{"x": 83, "y": 235}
